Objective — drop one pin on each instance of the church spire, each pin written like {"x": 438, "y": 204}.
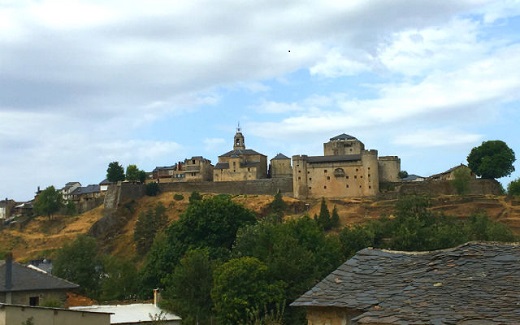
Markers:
{"x": 239, "y": 143}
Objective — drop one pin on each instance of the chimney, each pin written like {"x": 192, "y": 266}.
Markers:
{"x": 8, "y": 271}
{"x": 156, "y": 297}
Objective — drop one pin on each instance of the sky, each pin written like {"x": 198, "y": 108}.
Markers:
{"x": 151, "y": 83}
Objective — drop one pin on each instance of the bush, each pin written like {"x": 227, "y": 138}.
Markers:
{"x": 152, "y": 189}
{"x": 513, "y": 188}
{"x": 178, "y": 197}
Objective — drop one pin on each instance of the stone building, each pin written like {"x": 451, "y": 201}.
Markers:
{"x": 345, "y": 170}
{"x": 195, "y": 169}
{"x": 475, "y": 283}
{"x": 240, "y": 164}
{"x": 21, "y": 285}
{"x": 280, "y": 166}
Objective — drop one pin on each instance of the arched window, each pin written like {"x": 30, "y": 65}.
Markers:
{"x": 339, "y": 172}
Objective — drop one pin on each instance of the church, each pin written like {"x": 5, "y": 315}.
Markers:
{"x": 240, "y": 164}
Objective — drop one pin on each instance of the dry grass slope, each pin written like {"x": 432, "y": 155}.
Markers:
{"x": 41, "y": 237}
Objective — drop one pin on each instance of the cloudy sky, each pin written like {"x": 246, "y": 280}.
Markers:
{"x": 84, "y": 83}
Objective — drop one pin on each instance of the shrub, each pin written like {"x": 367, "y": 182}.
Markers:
{"x": 178, "y": 197}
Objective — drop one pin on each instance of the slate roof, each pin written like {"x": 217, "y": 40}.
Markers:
{"x": 280, "y": 156}
{"x": 338, "y": 158}
{"x": 343, "y": 136}
{"x": 93, "y": 188}
{"x": 475, "y": 283}
{"x": 240, "y": 152}
{"x": 27, "y": 279}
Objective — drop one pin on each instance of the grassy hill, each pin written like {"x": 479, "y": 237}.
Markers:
{"x": 40, "y": 237}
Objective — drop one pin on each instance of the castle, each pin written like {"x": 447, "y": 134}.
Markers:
{"x": 346, "y": 169}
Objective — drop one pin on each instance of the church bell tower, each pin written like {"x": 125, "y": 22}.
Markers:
{"x": 239, "y": 143}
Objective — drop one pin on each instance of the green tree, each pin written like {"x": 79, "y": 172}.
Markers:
{"x": 323, "y": 218}
{"x": 402, "y": 174}
{"x": 188, "y": 289}
{"x": 513, "y": 188}
{"x": 355, "y": 238}
{"x": 142, "y": 176}
{"x": 195, "y": 196}
{"x": 287, "y": 249}
{"x": 70, "y": 208}
{"x": 120, "y": 279}
{"x": 211, "y": 223}
{"x": 134, "y": 174}
{"x": 242, "y": 290}
{"x": 334, "y": 218}
{"x": 79, "y": 262}
{"x": 492, "y": 159}
{"x": 152, "y": 189}
{"x": 461, "y": 180}
{"x": 147, "y": 226}
{"x": 48, "y": 202}
{"x": 277, "y": 206}
{"x": 115, "y": 172}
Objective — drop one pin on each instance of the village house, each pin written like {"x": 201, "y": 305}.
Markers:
{"x": 22, "y": 314}
{"x": 451, "y": 173}
{"x": 67, "y": 190}
{"x": 345, "y": 170}
{"x": 22, "y": 285}
{"x": 195, "y": 169}
{"x": 240, "y": 164}
{"x": 475, "y": 283}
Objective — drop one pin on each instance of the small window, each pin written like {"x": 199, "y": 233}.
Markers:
{"x": 347, "y": 185}
{"x": 310, "y": 178}
{"x": 361, "y": 176}
{"x": 324, "y": 187}
{"x": 357, "y": 169}
{"x": 328, "y": 178}
{"x": 359, "y": 186}
{"x": 34, "y": 301}
{"x": 299, "y": 178}
{"x": 368, "y": 175}
{"x": 369, "y": 186}
{"x": 299, "y": 171}
{"x": 355, "y": 176}
{"x": 325, "y": 171}
{"x": 310, "y": 188}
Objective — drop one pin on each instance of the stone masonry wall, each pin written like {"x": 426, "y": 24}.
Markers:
{"x": 269, "y": 186}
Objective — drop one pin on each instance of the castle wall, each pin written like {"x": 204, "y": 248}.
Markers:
{"x": 389, "y": 168}
{"x": 267, "y": 186}
{"x": 439, "y": 187}
{"x": 335, "y": 179}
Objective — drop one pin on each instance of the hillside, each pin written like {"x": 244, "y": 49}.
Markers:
{"x": 41, "y": 237}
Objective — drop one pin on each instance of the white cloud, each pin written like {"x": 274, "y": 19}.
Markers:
{"x": 435, "y": 138}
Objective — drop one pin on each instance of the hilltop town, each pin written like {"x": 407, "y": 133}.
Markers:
{"x": 345, "y": 170}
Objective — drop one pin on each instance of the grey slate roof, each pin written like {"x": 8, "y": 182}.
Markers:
{"x": 280, "y": 156}
{"x": 92, "y": 188}
{"x": 338, "y": 158}
{"x": 27, "y": 279}
{"x": 475, "y": 283}
{"x": 240, "y": 152}
{"x": 343, "y": 136}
